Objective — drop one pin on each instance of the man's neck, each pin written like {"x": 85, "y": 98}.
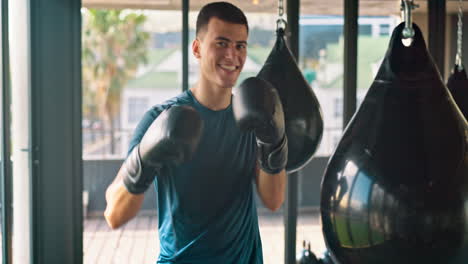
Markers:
{"x": 214, "y": 98}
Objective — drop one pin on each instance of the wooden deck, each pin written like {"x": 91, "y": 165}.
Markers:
{"x": 137, "y": 241}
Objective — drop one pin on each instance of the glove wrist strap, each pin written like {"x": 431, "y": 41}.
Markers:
{"x": 273, "y": 159}
{"x": 137, "y": 178}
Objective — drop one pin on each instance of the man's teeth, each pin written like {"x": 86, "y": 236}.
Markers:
{"x": 229, "y": 68}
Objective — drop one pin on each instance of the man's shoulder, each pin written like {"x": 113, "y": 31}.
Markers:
{"x": 151, "y": 114}
{"x": 183, "y": 98}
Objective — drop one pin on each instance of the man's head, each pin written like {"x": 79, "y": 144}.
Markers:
{"x": 223, "y": 11}
{"x": 220, "y": 44}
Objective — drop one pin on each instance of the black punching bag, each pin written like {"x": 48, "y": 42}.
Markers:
{"x": 396, "y": 188}
{"x": 458, "y": 86}
{"x": 303, "y": 117}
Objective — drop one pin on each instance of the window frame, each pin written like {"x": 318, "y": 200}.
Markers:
{"x": 5, "y": 172}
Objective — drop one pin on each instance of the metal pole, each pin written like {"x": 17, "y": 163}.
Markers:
{"x": 185, "y": 44}
{"x": 350, "y": 59}
{"x": 290, "y": 212}
{"x": 436, "y": 17}
{"x": 290, "y": 219}
{"x": 5, "y": 139}
{"x": 53, "y": 150}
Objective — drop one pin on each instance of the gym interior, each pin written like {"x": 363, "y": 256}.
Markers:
{"x": 361, "y": 193}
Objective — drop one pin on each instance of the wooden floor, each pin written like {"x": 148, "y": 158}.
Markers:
{"x": 137, "y": 242}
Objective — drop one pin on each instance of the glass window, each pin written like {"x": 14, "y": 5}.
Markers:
{"x": 137, "y": 106}
{"x": 338, "y": 107}
{"x": 320, "y": 52}
{"x": 384, "y": 30}
{"x": 124, "y": 76}
{"x": 371, "y": 49}
{"x": 131, "y": 61}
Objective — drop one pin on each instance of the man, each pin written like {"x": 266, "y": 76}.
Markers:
{"x": 204, "y": 153}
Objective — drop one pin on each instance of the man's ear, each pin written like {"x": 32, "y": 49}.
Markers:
{"x": 196, "y": 48}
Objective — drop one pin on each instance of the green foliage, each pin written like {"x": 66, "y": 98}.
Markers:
{"x": 370, "y": 51}
{"x": 115, "y": 44}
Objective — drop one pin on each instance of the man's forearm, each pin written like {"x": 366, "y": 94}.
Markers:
{"x": 271, "y": 188}
{"x": 121, "y": 205}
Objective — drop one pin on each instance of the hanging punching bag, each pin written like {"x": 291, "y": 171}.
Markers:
{"x": 458, "y": 86}
{"x": 396, "y": 188}
{"x": 303, "y": 117}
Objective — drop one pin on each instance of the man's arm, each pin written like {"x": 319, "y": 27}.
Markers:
{"x": 170, "y": 140}
{"x": 271, "y": 188}
{"x": 121, "y": 204}
{"x": 257, "y": 107}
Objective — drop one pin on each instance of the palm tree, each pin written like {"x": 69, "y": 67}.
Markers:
{"x": 114, "y": 45}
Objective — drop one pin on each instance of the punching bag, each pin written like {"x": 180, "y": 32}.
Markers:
{"x": 458, "y": 87}
{"x": 396, "y": 188}
{"x": 302, "y": 114}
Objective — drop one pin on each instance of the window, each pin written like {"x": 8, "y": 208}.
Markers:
{"x": 385, "y": 30}
{"x": 321, "y": 52}
{"x": 338, "y": 107}
{"x": 336, "y": 140}
{"x": 150, "y": 72}
{"x": 137, "y": 106}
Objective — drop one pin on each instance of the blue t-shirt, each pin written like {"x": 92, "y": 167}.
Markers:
{"x": 206, "y": 206}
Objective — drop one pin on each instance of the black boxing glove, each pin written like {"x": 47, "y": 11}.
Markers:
{"x": 257, "y": 107}
{"x": 171, "y": 139}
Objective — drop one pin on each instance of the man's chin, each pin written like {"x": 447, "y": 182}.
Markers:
{"x": 228, "y": 84}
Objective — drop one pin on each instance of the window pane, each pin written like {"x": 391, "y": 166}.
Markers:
{"x": 321, "y": 61}
{"x": 137, "y": 106}
{"x": 372, "y": 46}
{"x": 131, "y": 61}
{"x": 123, "y": 79}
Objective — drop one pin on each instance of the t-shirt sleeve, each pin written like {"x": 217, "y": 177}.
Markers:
{"x": 144, "y": 124}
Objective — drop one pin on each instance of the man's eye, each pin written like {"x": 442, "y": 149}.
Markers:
{"x": 241, "y": 46}
{"x": 221, "y": 44}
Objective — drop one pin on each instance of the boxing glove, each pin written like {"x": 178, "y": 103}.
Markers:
{"x": 257, "y": 107}
{"x": 171, "y": 139}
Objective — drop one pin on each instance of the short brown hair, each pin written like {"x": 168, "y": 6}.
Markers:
{"x": 222, "y": 10}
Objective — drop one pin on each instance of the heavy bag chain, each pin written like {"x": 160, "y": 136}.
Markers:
{"x": 406, "y": 7}
{"x": 281, "y": 22}
{"x": 458, "y": 59}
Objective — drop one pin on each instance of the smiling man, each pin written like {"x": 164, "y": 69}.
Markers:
{"x": 204, "y": 155}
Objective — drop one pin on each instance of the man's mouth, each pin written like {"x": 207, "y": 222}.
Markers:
{"x": 229, "y": 67}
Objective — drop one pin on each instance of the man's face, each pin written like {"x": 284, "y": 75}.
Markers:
{"x": 221, "y": 49}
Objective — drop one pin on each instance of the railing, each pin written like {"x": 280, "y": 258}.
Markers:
{"x": 97, "y": 143}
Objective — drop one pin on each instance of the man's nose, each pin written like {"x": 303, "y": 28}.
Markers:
{"x": 230, "y": 52}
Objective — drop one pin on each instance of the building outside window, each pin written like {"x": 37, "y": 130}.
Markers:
{"x": 137, "y": 106}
